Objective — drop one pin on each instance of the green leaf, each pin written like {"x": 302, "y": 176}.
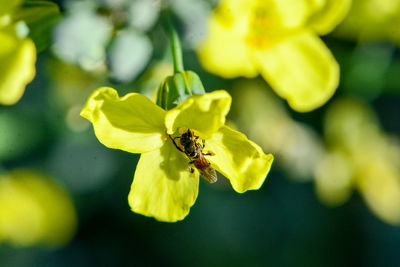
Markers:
{"x": 40, "y": 16}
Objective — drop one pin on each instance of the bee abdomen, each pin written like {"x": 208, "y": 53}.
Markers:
{"x": 209, "y": 174}
{"x": 201, "y": 162}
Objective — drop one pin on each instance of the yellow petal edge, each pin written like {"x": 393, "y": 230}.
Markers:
{"x": 329, "y": 16}
{"x": 203, "y": 113}
{"x": 240, "y": 160}
{"x": 131, "y": 123}
{"x": 301, "y": 70}
{"x": 163, "y": 187}
{"x": 17, "y": 62}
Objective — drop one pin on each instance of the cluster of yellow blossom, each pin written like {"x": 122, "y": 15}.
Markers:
{"x": 355, "y": 153}
{"x": 279, "y": 40}
{"x": 361, "y": 156}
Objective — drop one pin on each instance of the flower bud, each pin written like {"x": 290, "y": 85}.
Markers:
{"x": 177, "y": 87}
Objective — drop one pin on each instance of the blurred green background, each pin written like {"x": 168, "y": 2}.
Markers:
{"x": 332, "y": 197}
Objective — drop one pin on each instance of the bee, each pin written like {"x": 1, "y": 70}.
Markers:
{"x": 193, "y": 149}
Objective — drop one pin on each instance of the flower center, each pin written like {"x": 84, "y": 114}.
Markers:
{"x": 265, "y": 27}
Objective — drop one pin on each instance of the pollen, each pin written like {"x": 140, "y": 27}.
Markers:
{"x": 182, "y": 130}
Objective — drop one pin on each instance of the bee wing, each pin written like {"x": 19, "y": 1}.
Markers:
{"x": 209, "y": 174}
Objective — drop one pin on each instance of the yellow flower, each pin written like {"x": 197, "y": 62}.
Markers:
{"x": 163, "y": 187}
{"x": 278, "y": 39}
{"x": 34, "y": 210}
{"x": 17, "y": 57}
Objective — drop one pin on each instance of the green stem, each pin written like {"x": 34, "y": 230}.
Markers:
{"x": 176, "y": 49}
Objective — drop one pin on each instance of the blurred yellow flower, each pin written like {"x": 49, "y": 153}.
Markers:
{"x": 17, "y": 56}
{"x": 334, "y": 177}
{"x": 17, "y": 62}
{"x": 34, "y": 210}
{"x": 278, "y": 39}
{"x": 163, "y": 187}
{"x": 372, "y": 20}
{"x": 360, "y": 156}
{"x": 356, "y": 154}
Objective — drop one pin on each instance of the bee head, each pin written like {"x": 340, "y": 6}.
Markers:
{"x": 186, "y": 138}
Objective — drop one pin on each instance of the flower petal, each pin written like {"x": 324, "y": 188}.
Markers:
{"x": 224, "y": 51}
{"x": 300, "y": 69}
{"x": 131, "y": 123}
{"x": 163, "y": 187}
{"x": 291, "y": 13}
{"x": 329, "y": 15}
{"x": 240, "y": 160}
{"x": 17, "y": 64}
{"x": 378, "y": 182}
{"x": 203, "y": 113}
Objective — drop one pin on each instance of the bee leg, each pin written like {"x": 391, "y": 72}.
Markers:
{"x": 209, "y": 153}
{"x": 173, "y": 141}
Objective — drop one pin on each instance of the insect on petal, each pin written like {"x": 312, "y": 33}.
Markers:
{"x": 203, "y": 113}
